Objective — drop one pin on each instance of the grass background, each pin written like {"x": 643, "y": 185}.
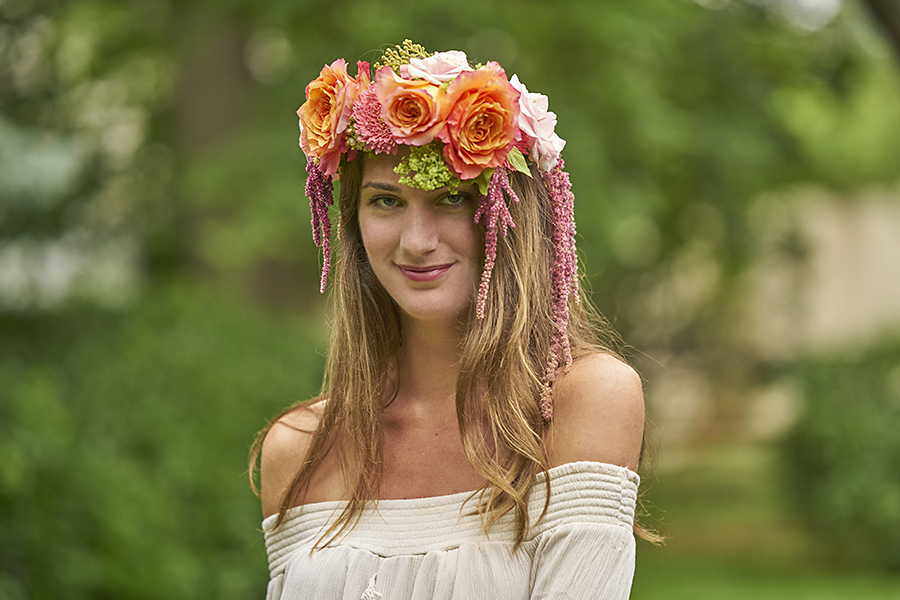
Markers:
{"x": 732, "y": 534}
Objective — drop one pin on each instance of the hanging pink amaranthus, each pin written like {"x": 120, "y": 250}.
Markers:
{"x": 320, "y": 191}
{"x": 492, "y": 207}
{"x": 565, "y": 276}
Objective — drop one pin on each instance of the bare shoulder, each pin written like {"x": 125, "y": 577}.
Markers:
{"x": 598, "y": 413}
{"x": 284, "y": 449}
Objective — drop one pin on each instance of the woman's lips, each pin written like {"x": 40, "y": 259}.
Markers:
{"x": 424, "y": 274}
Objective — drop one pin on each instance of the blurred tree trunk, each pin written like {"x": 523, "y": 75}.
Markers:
{"x": 213, "y": 98}
{"x": 887, "y": 13}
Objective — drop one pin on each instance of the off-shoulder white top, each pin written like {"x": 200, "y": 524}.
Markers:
{"x": 426, "y": 548}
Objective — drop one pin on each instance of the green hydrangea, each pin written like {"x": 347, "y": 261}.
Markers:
{"x": 424, "y": 168}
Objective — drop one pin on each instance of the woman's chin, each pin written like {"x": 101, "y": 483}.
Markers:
{"x": 436, "y": 316}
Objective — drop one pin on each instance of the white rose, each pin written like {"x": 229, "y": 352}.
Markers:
{"x": 537, "y": 124}
{"x": 438, "y": 68}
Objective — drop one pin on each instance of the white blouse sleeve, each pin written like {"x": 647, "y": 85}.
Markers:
{"x": 584, "y": 561}
{"x": 276, "y": 583}
{"x": 586, "y": 546}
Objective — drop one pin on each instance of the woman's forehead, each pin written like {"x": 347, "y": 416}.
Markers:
{"x": 381, "y": 168}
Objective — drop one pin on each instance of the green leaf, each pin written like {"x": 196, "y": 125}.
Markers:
{"x": 483, "y": 181}
{"x": 517, "y": 161}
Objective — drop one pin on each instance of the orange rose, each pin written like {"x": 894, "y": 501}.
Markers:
{"x": 481, "y": 125}
{"x": 412, "y": 109}
{"x": 325, "y": 114}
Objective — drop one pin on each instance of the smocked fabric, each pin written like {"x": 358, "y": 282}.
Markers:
{"x": 430, "y": 548}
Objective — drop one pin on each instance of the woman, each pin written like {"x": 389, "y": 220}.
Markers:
{"x": 473, "y": 438}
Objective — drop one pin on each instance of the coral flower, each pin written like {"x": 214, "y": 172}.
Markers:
{"x": 481, "y": 125}
{"x": 325, "y": 114}
{"x": 411, "y": 109}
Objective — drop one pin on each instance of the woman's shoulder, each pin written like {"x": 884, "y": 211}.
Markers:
{"x": 284, "y": 449}
{"x": 598, "y": 413}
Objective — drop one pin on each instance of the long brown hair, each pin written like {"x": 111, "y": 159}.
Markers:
{"x": 502, "y": 364}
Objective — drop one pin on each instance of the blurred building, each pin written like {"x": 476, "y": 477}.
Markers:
{"x": 826, "y": 280}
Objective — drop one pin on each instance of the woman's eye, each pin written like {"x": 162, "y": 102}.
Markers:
{"x": 384, "y": 201}
{"x": 455, "y": 199}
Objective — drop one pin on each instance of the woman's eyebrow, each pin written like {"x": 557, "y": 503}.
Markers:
{"x": 387, "y": 187}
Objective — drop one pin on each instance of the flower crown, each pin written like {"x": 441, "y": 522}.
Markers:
{"x": 462, "y": 125}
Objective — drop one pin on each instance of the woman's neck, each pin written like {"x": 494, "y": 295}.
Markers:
{"x": 429, "y": 363}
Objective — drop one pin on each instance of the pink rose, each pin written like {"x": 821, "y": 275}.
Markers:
{"x": 481, "y": 125}
{"x": 412, "y": 110}
{"x": 438, "y": 68}
{"x": 537, "y": 125}
{"x": 325, "y": 114}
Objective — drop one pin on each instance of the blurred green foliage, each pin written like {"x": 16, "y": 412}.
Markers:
{"x": 843, "y": 456}
{"x": 123, "y": 446}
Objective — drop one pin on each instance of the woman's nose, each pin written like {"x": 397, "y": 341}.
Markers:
{"x": 420, "y": 232}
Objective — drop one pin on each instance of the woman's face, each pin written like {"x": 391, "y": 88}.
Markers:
{"x": 423, "y": 246}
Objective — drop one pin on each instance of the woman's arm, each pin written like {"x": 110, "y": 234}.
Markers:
{"x": 283, "y": 452}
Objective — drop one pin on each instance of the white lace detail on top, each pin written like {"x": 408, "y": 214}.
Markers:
{"x": 371, "y": 593}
